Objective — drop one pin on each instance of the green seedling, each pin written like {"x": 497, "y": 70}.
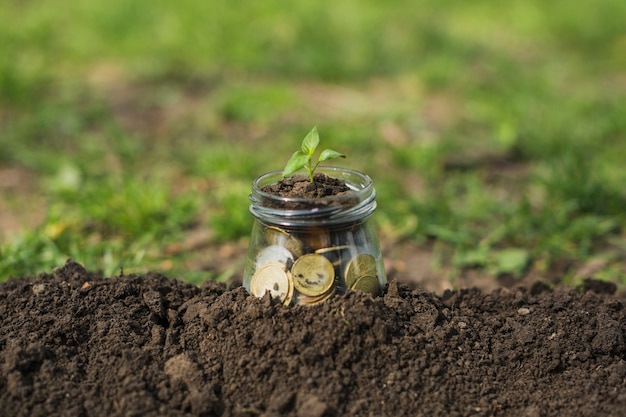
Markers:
{"x": 304, "y": 157}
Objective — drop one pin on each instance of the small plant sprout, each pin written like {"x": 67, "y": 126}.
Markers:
{"x": 304, "y": 157}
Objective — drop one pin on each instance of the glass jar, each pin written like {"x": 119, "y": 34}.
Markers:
{"x": 304, "y": 251}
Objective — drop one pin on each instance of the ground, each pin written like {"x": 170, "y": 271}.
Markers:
{"x": 75, "y": 343}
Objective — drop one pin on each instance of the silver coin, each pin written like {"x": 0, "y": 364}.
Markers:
{"x": 274, "y": 253}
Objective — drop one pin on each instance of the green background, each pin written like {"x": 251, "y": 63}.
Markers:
{"x": 130, "y": 131}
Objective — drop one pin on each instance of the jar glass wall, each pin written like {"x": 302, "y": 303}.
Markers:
{"x": 304, "y": 251}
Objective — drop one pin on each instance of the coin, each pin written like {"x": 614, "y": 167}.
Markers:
{"x": 280, "y": 237}
{"x": 362, "y": 265}
{"x": 312, "y": 274}
{"x": 305, "y": 300}
{"x": 367, "y": 283}
{"x": 316, "y": 238}
{"x": 274, "y": 253}
{"x": 332, "y": 249}
{"x": 273, "y": 278}
{"x": 273, "y": 234}
{"x": 289, "y": 299}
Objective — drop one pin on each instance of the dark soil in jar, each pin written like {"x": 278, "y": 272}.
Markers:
{"x": 299, "y": 193}
{"x": 300, "y": 186}
{"x": 75, "y": 343}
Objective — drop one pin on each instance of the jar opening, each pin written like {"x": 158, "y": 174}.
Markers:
{"x": 358, "y": 204}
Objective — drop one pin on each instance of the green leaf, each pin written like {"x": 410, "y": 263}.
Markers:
{"x": 310, "y": 142}
{"x": 330, "y": 154}
{"x": 297, "y": 161}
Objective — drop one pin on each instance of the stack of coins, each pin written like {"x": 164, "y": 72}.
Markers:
{"x": 307, "y": 270}
{"x": 360, "y": 274}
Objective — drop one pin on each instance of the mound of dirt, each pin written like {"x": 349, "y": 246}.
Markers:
{"x": 73, "y": 343}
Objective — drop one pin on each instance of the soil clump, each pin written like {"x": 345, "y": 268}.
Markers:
{"x": 300, "y": 186}
{"x": 75, "y": 343}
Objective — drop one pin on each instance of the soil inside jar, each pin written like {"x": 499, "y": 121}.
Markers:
{"x": 300, "y": 186}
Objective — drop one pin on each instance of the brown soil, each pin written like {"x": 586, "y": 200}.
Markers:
{"x": 73, "y": 343}
{"x": 300, "y": 186}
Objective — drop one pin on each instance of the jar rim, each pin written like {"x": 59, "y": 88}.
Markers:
{"x": 331, "y": 209}
{"x": 344, "y": 174}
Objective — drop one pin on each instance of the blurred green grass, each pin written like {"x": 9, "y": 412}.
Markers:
{"x": 495, "y": 133}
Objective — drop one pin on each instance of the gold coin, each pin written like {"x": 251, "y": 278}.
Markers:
{"x": 289, "y": 299}
{"x": 273, "y": 278}
{"x": 362, "y": 265}
{"x": 280, "y": 237}
{"x": 309, "y": 301}
{"x": 316, "y": 238}
{"x": 312, "y": 274}
{"x": 332, "y": 249}
{"x": 274, "y": 235}
{"x": 367, "y": 283}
